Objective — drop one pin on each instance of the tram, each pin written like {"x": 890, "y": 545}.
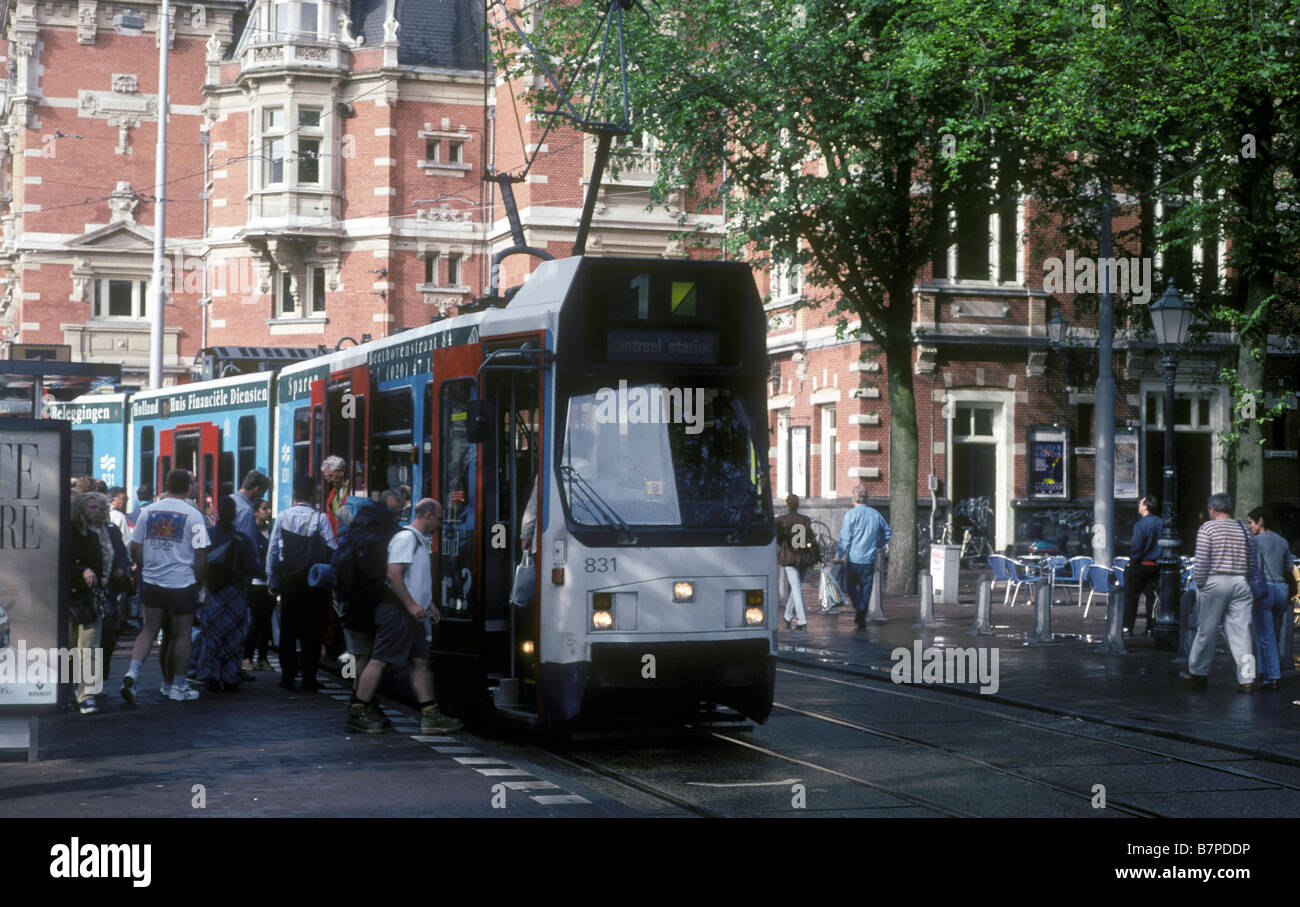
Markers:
{"x": 218, "y": 430}
{"x": 605, "y": 429}
{"x": 98, "y": 435}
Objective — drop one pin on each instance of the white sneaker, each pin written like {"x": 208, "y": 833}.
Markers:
{"x": 166, "y": 689}
{"x": 182, "y": 691}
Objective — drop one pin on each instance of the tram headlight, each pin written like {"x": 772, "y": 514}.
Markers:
{"x": 755, "y": 613}
{"x": 602, "y": 611}
{"x": 683, "y": 591}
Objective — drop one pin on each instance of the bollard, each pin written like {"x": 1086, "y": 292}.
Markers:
{"x": 983, "y": 606}
{"x": 1285, "y": 640}
{"x": 1114, "y": 641}
{"x": 1042, "y": 612}
{"x": 1187, "y": 613}
{"x": 875, "y": 613}
{"x": 925, "y": 594}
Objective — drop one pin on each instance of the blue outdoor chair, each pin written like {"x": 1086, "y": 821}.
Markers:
{"x": 1103, "y": 580}
{"x": 1001, "y": 573}
{"x": 1019, "y": 575}
{"x": 1075, "y": 575}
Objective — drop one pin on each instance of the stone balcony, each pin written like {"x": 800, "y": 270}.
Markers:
{"x": 298, "y": 55}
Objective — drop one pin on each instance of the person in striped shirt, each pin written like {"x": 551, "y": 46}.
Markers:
{"x": 1224, "y": 559}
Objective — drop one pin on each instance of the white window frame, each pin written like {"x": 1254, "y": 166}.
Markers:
{"x": 827, "y": 414}
{"x": 280, "y": 290}
{"x": 432, "y": 267}
{"x": 455, "y": 269}
{"x": 141, "y": 290}
{"x": 268, "y": 135}
{"x": 1220, "y": 418}
{"x": 1004, "y": 414}
{"x": 314, "y": 133}
{"x": 315, "y": 301}
{"x": 302, "y": 26}
{"x": 782, "y": 453}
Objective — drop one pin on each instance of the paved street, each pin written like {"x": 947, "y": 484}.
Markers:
{"x": 843, "y": 740}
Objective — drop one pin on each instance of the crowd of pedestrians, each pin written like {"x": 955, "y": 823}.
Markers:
{"x": 204, "y": 585}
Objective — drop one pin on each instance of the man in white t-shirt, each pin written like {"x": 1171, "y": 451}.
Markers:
{"x": 170, "y": 542}
{"x": 399, "y": 631}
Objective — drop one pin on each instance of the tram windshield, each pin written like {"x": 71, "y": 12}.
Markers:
{"x": 650, "y": 455}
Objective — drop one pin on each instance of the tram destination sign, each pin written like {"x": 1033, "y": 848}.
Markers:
{"x": 106, "y": 413}
{"x": 651, "y": 345}
{"x": 189, "y": 403}
{"x": 415, "y": 356}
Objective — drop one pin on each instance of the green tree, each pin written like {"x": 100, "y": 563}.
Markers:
{"x": 825, "y": 116}
{"x": 1193, "y": 104}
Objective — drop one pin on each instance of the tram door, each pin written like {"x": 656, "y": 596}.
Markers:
{"x": 513, "y": 458}
{"x": 463, "y": 656}
{"x": 195, "y": 446}
{"x": 340, "y": 427}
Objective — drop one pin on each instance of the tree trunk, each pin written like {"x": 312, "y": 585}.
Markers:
{"x": 902, "y": 456}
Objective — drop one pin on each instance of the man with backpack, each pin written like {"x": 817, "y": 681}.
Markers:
{"x": 360, "y": 570}
{"x": 300, "y": 539}
{"x": 399, "y": 634}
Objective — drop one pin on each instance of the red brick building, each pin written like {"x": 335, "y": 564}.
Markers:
{"x": 324, "y": 182}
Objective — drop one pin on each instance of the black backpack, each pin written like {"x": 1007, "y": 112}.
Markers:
{"x": 221, "y": 564}
{"x": 361, "y": 560}
{"x": 300, "y": 552}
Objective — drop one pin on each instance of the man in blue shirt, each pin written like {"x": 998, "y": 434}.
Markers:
{"x": 863, "y": 533}
{"x": 1142, "y": 571}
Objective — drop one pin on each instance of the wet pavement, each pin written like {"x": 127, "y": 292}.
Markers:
{"x": 1138, "y": 690}
{"x": 268, "y": 752}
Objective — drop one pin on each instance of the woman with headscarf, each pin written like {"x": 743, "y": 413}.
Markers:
{"x": 99, "y": 569}
{"x": 232, "y": 562}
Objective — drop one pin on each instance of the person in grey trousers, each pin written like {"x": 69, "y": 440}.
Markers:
{"x": 1224, "y": 555}
{"x": 1272, "y": 619}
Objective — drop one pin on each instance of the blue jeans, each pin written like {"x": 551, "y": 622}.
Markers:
{"x": 1266, "y": 642}
{"x": 857, "y": 584}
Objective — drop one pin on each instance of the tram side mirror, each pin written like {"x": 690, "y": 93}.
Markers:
{"x": 476, "y": 419}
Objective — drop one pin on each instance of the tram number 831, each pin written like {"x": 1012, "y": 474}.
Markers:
{"x": 601, "y": 564}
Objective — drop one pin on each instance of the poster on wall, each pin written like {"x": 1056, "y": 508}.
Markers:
{"x": 35, "y": 466}
{"x": 1049, "y": 448}
{"x": 799, "y": 461}
{"x": 1126, "y": 463}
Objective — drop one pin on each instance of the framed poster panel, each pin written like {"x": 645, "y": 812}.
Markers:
{"x": 35, "y": 468}
{"x": 799, "y": 435}
{"x": 1126, "y": 463}
{"x": 1049, "y": 451}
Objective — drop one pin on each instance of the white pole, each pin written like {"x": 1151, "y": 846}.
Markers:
{"x": 160, "y": 210}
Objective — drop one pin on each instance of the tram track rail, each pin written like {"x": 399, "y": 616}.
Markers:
{"x": 957, "y": 704}
{"x": 882, "y": 685}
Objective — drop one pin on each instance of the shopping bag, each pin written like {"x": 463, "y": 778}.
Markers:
{"x": 830, "y": 591}
{"x": 525, "y": 584}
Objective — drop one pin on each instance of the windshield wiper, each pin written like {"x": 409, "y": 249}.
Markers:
{"x": 595, "y": 504}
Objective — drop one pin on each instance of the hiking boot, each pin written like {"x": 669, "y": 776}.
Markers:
{"x": 363, "y": 719}
{"x": 182, "y": 692}
{"x": 383, "y": 716}
{"x": 433, "y": 721}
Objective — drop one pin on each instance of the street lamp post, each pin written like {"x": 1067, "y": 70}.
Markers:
{"x": 156, "y": 314}
{"x": 1171, "y": 317}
